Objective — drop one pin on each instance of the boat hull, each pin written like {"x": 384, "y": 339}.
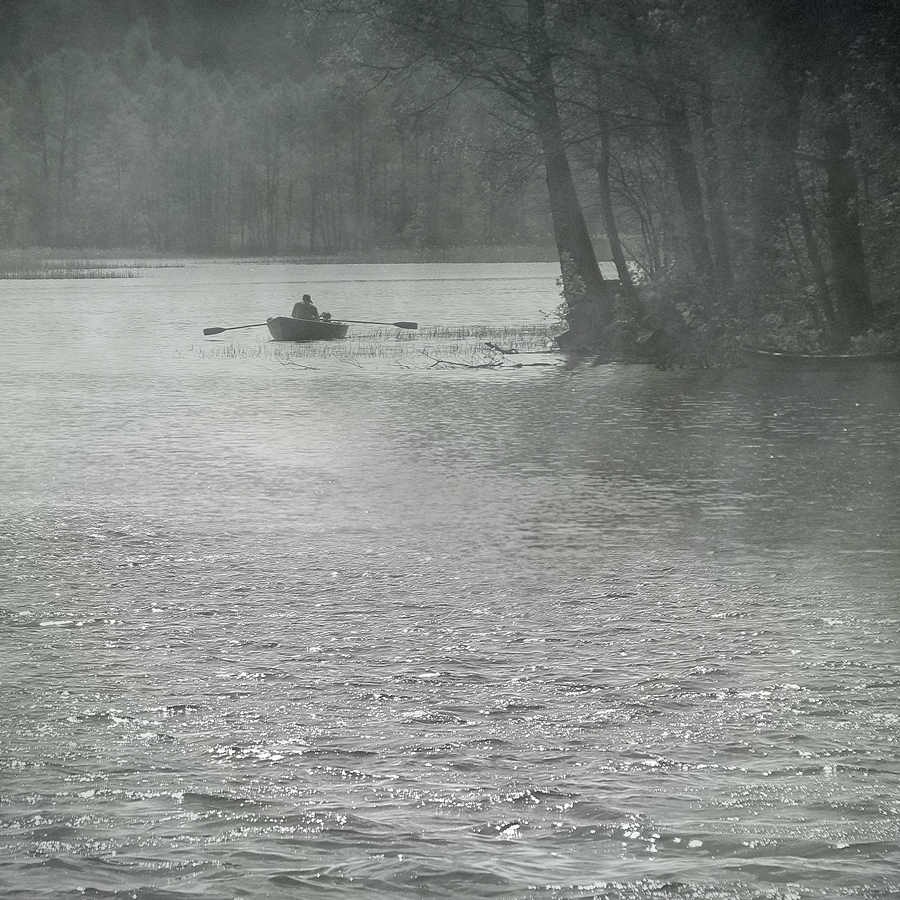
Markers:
{"x": 287, "y": 328}
{"x": 784, "y": 359}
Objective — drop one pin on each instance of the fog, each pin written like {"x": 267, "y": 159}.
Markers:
{"x": 459, "y": 604}
{"x": 739, "y": 159}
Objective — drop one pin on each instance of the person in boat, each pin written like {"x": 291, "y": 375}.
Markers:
{"x": 305, "y": 309}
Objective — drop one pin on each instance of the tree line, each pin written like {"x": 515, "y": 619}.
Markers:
{"x": 131, "y": 137}
{"x": 737, "y": 159}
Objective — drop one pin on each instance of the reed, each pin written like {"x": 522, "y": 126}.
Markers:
{"x": 112, "y": 263}
{"x": 67, "y": 273}
{"x": 427, "y": 348}
{"x": 34, "y": 265}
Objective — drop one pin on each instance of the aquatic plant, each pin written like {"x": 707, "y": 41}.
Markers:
{"x": 35, "y": 265}
{"x": 68, "y": 273}
{"x": 475, "y": 346}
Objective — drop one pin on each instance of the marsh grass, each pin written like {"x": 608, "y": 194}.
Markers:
{"x": 34, "y": 265}
{"x": 69, "y": 273}
{"x": 439, "y": 347}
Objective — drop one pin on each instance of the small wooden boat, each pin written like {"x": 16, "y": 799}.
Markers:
{"x": 787, "y": 359}
{"x": 287, "y": 328}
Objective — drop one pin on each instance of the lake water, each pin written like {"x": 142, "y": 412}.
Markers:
{"x": 343, "y": 621}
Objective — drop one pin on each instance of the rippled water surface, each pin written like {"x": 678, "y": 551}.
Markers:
{"x": 342, "y": 621}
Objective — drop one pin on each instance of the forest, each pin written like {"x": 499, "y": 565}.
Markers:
{"x": 737, "y": 160}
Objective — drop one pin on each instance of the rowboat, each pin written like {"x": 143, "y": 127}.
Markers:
{"x": 787, "y": 359}
{"x": 287, "y": 328}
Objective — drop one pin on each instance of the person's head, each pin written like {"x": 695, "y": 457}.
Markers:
{"x": 306, "y": 298}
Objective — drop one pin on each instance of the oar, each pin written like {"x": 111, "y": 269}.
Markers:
{"x": 233, "y": 328}
{"x": 411, "y": 325}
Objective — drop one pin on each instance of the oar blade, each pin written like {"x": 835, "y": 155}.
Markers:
{"x": 412, "y": 325}
{"x": 233, "y": 328}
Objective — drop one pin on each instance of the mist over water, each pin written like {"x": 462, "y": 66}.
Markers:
{"x": 281, "y": 622}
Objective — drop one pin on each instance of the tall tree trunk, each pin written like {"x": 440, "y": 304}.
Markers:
{"x": 680, "y": 145}
{"x": 271, "y": 140}
{"x": 718, "y": 228}
{"x": 34, "y": 127}
{"x": 687, "y": 182}
{"x": 570, "y": 231}
{"x": 603, "y": 161}
{"x": 59, "y": 230}
{"x": 855, "y": 312}
{"x": 817, "y": 267}
{"x": 779, "y": 100}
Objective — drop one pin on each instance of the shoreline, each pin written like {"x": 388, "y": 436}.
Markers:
{"x": 44, "y": 258}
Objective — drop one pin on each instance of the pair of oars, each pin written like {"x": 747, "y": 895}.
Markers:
{"x": 411, "y": 325}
